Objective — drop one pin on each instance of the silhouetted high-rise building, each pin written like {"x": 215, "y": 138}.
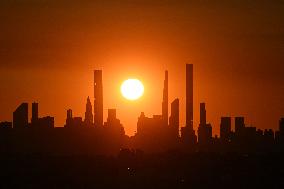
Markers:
{"x": 77, "y": 122}
{"x": 204, "y": 129}
{"x": 174, "y": 118}
{"x": 149, "y": 126}
{"x": 34, "y": 113}
{"x": 165, "y": 100}
{"x": 69, "y": 114}
{"x": 88, "y": 113}
{"x": 202, "y": 114}
{"x": 20, "y": 116}
{"x": 113, "y": 124}
{"x": 239, "y": 124}
{"x": 281, "y": 126}
{"x": 69, "y": 117}
{"x": 73, "y": 121}
{"x": 225, "y": 129}
{"x": 98, "y": 98}
{"x": 111, "y": 114}
{"x": 189, "y": 95}
{"x": 187, "y": 133}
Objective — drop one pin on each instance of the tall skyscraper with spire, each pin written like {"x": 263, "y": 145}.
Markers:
{"x": 88, "y": 113}
{"x": 165, "y": 100}
{"x": 98, "y": 98}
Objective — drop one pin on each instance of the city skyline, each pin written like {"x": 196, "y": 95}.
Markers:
{"x": 158, "y": 133}
{"x": 97, "y": 106}
{"x": 94, "y": 116}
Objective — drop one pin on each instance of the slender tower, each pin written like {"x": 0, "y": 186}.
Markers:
{"x": 187, "y": 133}
{"x": 165, "y": 100}
{"x": 98, "y": 98}
{"x": 189, "y": 96}
{"x": 202, "y": 114}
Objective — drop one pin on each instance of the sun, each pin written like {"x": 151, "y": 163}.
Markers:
{"x": 132, "y": 89}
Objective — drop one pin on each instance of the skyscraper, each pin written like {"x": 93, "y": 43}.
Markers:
{"x": 88, "y": 113}
{"x": 187, "y": 133}
{"x": 34, "y": 113}
{"x": 281, "y": 126}
{"x": 174, "y": 118}
{"x": 165, "y": 100}
{"x": 225, "y": 129}
{"x": 69, "y": 118}
{"x": 204, "y": 129}
{"x": 111, "y": 114}
{"x": 239, "y": 124}
{"x": 202, "y": 114}
{"x": 20, "y": 116}
{"x": 98, "y": 98}
{"x": 189, "y": 96}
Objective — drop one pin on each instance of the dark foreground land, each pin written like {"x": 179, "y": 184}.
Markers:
{"x": 137, "y": 170}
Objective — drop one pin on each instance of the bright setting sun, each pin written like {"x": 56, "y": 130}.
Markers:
{"x": 132, "y": 89}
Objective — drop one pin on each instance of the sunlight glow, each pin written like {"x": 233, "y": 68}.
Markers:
{"x": 132, "y": 89}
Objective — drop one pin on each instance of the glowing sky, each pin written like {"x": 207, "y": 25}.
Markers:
{"x": 49, "y": 49}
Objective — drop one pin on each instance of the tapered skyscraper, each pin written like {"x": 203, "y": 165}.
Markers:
{"x": 165, "y": 100}
{"x": 88, "y": 113}
{"x": 20, "y": 116}
{"x": 98, "y": 98}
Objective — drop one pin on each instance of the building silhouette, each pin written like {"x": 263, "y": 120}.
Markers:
{"x": 150, "y": 126}
{"x": 154, "y": 134}
{"x": 239, "y": 125}
{"x": 73, "y": 122}
{"x": 69, "y": 118}
{"x": 40, "y": 122}
{"x": 88, "y": 113}
{"x": 174, "y": 118}
{"x": 281, "y": 126}
{"x": 204, "y": 129}
{"x": 98, "y": 98}
{"x": 225, "y": 129}
{"x": 114, "y": 133}
{"x": 187, "y": 133}
{"x": 20, "y": 116}
{"x": 279, "y": 135}
{"x": 165, "y": 100}
{"x": 113, "y": 124}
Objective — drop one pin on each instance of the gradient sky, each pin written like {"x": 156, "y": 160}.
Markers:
{"x": 49, "y": 49}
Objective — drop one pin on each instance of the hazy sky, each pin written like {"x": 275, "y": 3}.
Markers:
{"x": 49, "y": 49}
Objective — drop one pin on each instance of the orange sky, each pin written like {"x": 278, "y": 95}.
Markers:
{"x": 48, "y": 51}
